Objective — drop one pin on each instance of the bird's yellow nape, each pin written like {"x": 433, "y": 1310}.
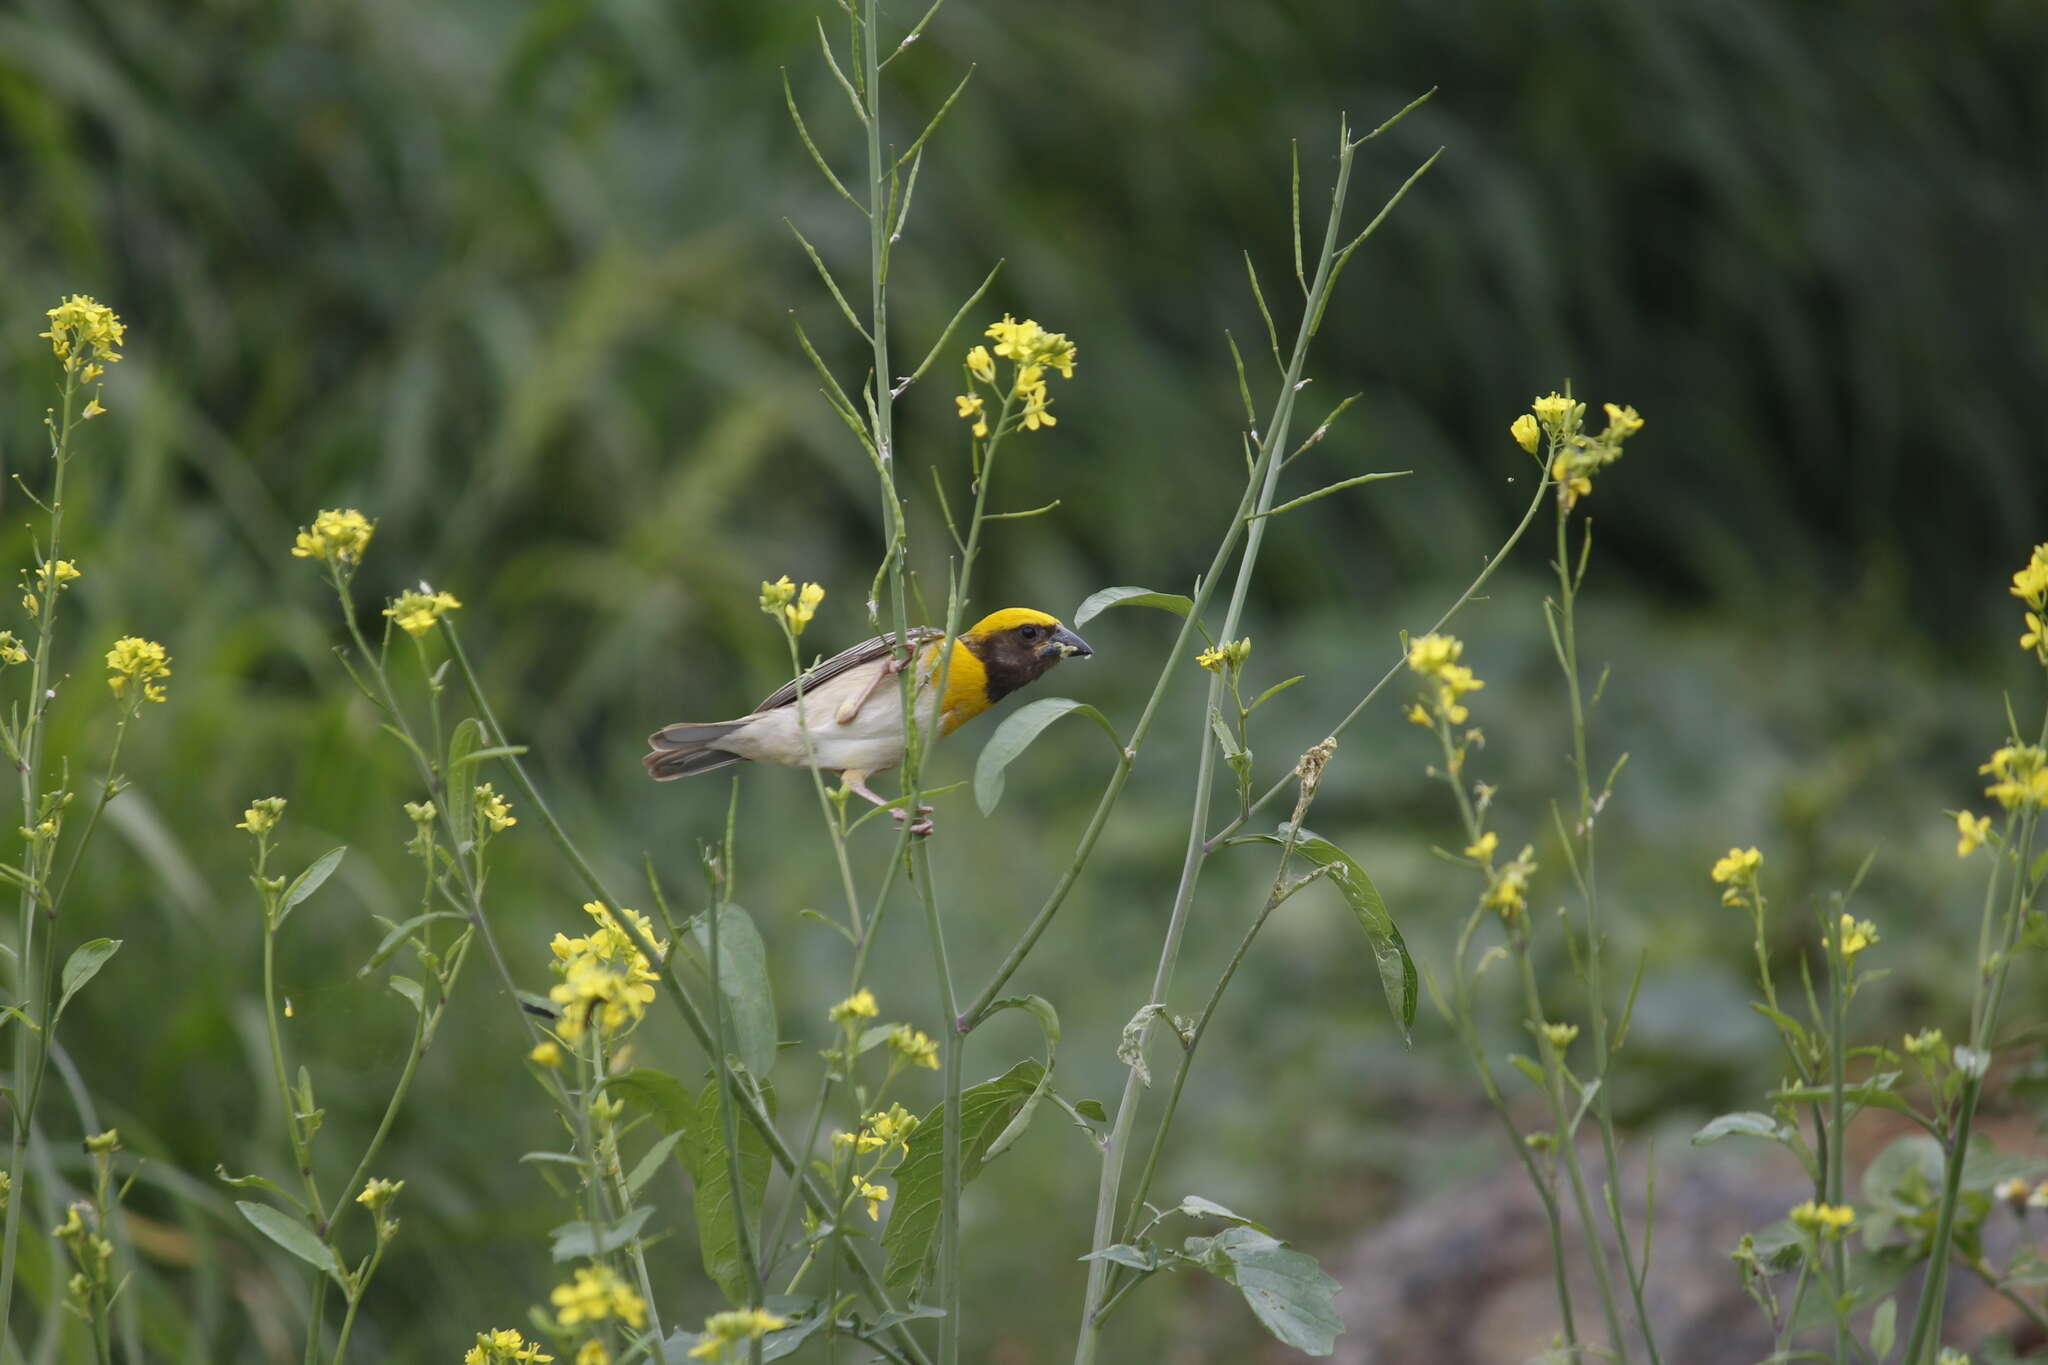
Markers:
{"x": 1011, "y": 617}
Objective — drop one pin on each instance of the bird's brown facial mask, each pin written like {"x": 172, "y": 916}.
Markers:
{"x": 1021, "y": 654}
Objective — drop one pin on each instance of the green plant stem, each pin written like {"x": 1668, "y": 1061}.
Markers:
{"x": 727, "y": 1122}
{"x": 31, "y": 1045}
{"x": 1266, "y": 475}
{"x": 1585, "y": 870}
{"x": 1275, "y": 896}
{"x": 1838, "y": 1007}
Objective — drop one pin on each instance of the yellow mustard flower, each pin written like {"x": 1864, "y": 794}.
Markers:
{"x": 971, "y": 405}
{"x": 1737, "y": 871}
{"x": 1527, "y": 432}
{"x": 1508, "y": 892}
{"x": 1482, "y": 848}
{"x": 606, "y": 980}
{"x": 914, "y": 1047}
{"x": 83, "y": 334}
{"x": 981, "y": 364}
{"x": 1971, "y": 832}
{"x": 1557, "y": 413}
{"x": 1560, "y": 1035}
{"x": 1826, "y": 1220}
{"x": 262, "y": 816}
{"x": 876, "y": 1195}
{"x": 1857, "y": 934}
{"x": 860, "y": 1005}
{"x": 593, "y": 1352}
{"x": 2021, "y": 773}
{"x": 11, "y": 650}
{"x": 547, "y": 1052}
{"x": 2030, "y": 584}
{"x": 417, "y": 612}
{"x": 731, "y": 1328}
{"x": 494, "y": 809}
{"x": 783, "y": 600}
{"x": 337, "y": 536}
{"x": 134, "y": 660}
{"x": 378, "y": 1192}
{"x": 1926, "y": 1043}
{"x": 1622, "y": 422}
{"x": 595, "y": 1294}
{"x": 1436, "y": 657}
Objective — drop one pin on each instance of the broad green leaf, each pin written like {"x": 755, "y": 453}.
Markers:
{"x": 703, "y": 1152}
{"x": 582, "y": 1240}
{"x": 985, "y": 1111}
{"x": 294, "y": 1236}
{"x": 82, "y": 966}
{"x": 458, "y": 790}
{"x": 1745, "y": 1124}
{"x": 1397, "y": 969}
{"x": 657, "y": 1094}
{"x": 743, "y": 981}
{"x": 1099, "y": 602}
{"x": 1287, "y": 1290}
{"x": 1016, "y": 734}
{"x": 1091, "y": 1109}
{"x": 309, "y": 881}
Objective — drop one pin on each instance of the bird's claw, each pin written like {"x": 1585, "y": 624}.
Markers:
{"x": 921, "y": 826}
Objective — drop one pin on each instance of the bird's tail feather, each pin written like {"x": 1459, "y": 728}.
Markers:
{"x": 684, "y": 749}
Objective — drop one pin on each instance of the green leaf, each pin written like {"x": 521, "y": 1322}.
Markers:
{"x": 743, "y": 981}
{"x": 82, "y": 966}
{"x": 1288, "y": 1292}
{"x": 656, "y": 1093}
{"x": 292, "y": 1235}
{"x": 703, "y": 1152}
{"x": 581, "y": 1240}
{"x": 1100, "y": 602}
{"x": 1884, "y": 1328}
{"x": 1137, "y": 1258}
{"x": 399, "y": 933}
{"x": 309, "y": 881}
{"x": 1197, "y": 1207}
{"x": 1529, "y": 1067}
{"x": 1876, "y": 1092}
{"x": 1397, "y": 969}
{"x": 1091, "y": 1109}
{"x": 645, "y": 1168}
{"x": 1745, "y": 1124}
{"x": 1015, "y": 735}
{"x": 1275, "y": 690}
{"x": 466, "y": 740}
{"x": 985, "y": 1111}
{"x": 481, "y": 755}
{"x": 411, "y": 990}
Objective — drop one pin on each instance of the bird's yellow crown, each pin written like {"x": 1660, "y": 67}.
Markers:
{"x": 1011, "y": 617}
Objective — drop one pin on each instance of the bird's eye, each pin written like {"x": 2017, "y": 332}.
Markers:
{"x": 1029, "y": 632}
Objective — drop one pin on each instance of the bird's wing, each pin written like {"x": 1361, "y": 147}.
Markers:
{"x": 867, "y": 651}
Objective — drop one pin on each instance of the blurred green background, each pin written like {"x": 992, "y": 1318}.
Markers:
{"x": 514, "y": 280}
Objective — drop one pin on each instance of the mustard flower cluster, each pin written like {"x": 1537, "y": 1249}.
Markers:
{"x": 734, "y": 1328}
{"x": 52, "y": 576}
{"x": 92, "y": 1254}
{"x": 1031, "y": 351}
{"x": 1575, "y": 456}
{"x": 597, "y": 1293}
{"x": 376, "y": 1196}
{"x": 337, "y": 536}
{"x": 879, "y": 1131}
{"x": 262, "y": 815}
{"x": 911, "y": 1047}
{"x": 860, "y": 1005}
{"x": 1857, "y": 934}
{"x": 134, "y": 661}
{"x": 83, "y": 334}
{"x": 2030, "y": 585}
{"x": 493, "y": 809}
{"x": 1507, "y": 886}
{"x": 605, "y": 979}
{"x": 417, "y": 611}
{"x": 11, "y": 649}
{"x": 1230, "y": 655}
{"x": 1823, "y": 1220}
{"x": 792, "y": 606}
{"x": 2019, "y": 774}
{"x": 504, "y": 1346}
{"x": 1736, "y": 872}
{"x": 1435, "y": 658}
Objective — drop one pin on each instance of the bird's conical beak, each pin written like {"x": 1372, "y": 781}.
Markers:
{"x": 1064, "y": 644}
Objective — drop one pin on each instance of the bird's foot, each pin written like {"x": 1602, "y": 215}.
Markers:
{"x": 921, "y": 826}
